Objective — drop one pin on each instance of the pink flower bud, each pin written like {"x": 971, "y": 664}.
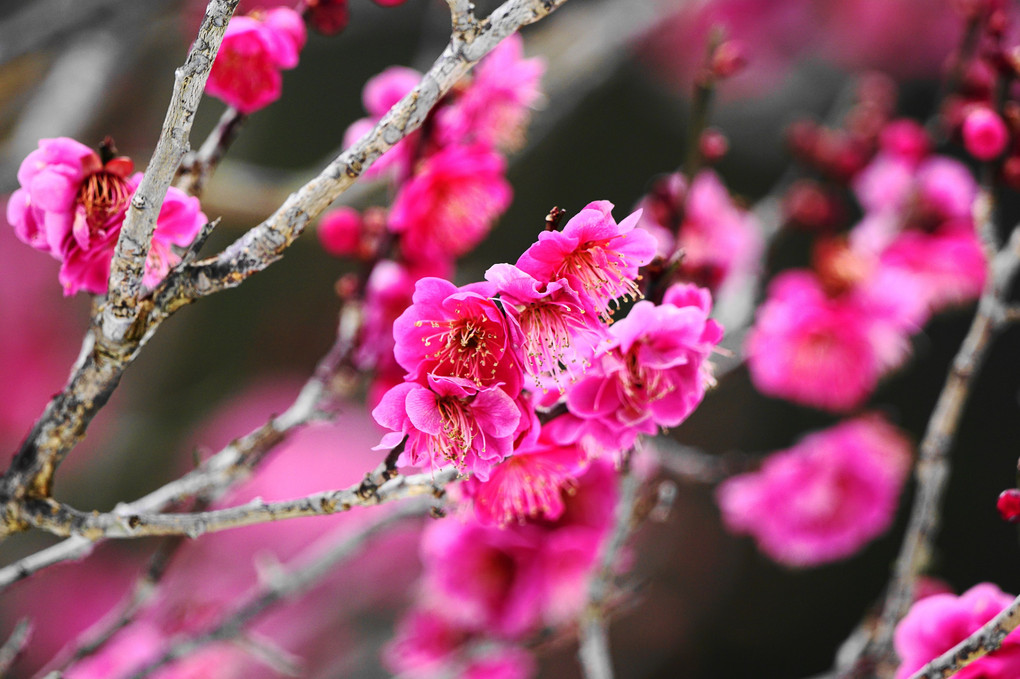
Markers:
{"x": 340, "y": 232}
{"x": 713, "y": 145}
{"x": 729, "y": 59}
{"x": 984, "y": 134}
{"x": 1009, "y": 505}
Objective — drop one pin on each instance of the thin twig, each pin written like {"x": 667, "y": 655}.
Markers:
{"x": 196, "y": 167}
{"x": 932, "y": 469}
{"x": 135, "y": 238}
{"x": 309, "y": 569}
{"x": 15, "y": 643}
{"x": 593, "y": 651}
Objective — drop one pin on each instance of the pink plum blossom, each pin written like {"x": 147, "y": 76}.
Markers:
{"x": 456, "y": 332}
{"x": 451, "y": 422}
{"x": 246, "y": 72}
{"x": 824, "y": 498}
{"x": 527, "y": 485}
{"x": 494, "y": 107}
{"x": 506, "y": 582}
{"x": 937, "y": 623}
{"x": 72, "y": 205}
{"x": 597, "y": 257}
{"x": 340, "y": 232}
{"x": 552, "y": 333}
{"x": 451, "y": 202}
{"x": 825, "y": 351}
{"x": 653, "y": 370}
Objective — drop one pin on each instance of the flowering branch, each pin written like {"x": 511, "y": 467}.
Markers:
{"x": 136, "y": 234}
{"x": 979, "y": 644}
{"x": 310, "y": 568}
{"x": 265, "y": 243}
{"x": 933, "y": 463}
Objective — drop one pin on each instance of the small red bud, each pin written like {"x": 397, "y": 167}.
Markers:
{"x": 340, "y": 232}
{"x": 713, "y": 145}
{"x": 1011, "y": 172}
{"x": 984, "y": 134}
{"x": 1009, "y": 505}
{"x": 728, "y": 59}
{"x": 328, "y": 17}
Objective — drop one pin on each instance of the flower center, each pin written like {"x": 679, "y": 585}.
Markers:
{"x": 457, "y": 436}
{"x": 103, "y": 195}
{"x": 464, "y": 349}
{"x": 601, "y": 274}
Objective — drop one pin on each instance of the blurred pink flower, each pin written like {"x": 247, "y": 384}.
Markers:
{"x": 494, "y": 107}
{"x": 246, "y": 73}
{"x": 824, "y": 498}
{"x": 825, "y": 351}
{"x": 451, "y": 202}
{"x": 937, "y": 623}
{"x": 380, "y": 93}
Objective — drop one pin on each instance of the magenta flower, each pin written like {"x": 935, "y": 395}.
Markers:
{"x": 452, "y": 422}
{"x": 984, "y": 134}
{"x": 654, "y": 369}
{"x": 949, "y": 265}
{"x": 823, "y": 499}
{"x": 526, "y": 485}
{"x": 824, "y": 351}
{"x": 451, "y": 202}
{"x": 552, "y": 333}
{"x": 456, "y": 332}
{"x": 72, "y": 205}
{"x": 246, "y": 73}
{"x": 494, "y": 108}
{"x": 937, "y": 623}
{"x": 598, "y": 257}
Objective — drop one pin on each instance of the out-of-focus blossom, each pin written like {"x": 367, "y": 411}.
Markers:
{"x": 494, "y": 107}
{"x": 939, "y": 622}
{"x": 340, "y": 232}
{"x": 984, "y": 134}
{"x": 827, "y": 351}
{"x": 823, "y": 499}
{"x": 451, "y": 202}
{"x": 380, "y": 93}
{"x": 328, "y": 17}
{"x": 255, "y": 48}
{"x": 423, "y": 643}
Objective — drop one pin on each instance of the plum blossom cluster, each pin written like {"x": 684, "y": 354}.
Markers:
{"x": 487, "y": 588}
{"x": 824, "y": 498}
{"x": 72, "y": 203}
{"x": 449, "y": 186}
{"x": 825, "y": 336}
